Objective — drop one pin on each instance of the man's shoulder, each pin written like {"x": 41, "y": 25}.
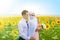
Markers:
{"x": 21, "y": 21}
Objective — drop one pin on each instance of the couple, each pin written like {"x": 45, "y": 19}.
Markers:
{"x": 28, "y": 26}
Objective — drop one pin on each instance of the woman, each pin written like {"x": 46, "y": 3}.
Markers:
{"x": 36, "y": 35}
{"x": 36, "y": 21}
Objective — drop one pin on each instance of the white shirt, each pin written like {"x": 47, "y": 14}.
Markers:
{"x": 23, "y": 28}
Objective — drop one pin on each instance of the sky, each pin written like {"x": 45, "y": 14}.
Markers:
{"x": 39, "y": 7}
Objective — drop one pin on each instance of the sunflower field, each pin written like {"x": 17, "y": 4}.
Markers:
{"x": 9, "y": 28}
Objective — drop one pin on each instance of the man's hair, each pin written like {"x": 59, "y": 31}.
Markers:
{"x": 24, "y": 12}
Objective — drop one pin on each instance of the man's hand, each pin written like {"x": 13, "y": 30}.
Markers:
{"x": 32, "y": 38}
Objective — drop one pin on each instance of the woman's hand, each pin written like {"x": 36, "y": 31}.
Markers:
{"x": 32, "y": 38}
{"x": 39, "y": 28}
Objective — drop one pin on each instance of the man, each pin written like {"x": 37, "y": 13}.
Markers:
{"x": 25, "y": 27}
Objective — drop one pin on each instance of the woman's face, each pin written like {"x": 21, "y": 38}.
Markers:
{"x": 32, "y": 15}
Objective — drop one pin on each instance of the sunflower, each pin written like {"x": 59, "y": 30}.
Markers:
{"x": 19, "y": 17}
{"x": 46, "y": 21}
{"x": 58, "y": 21}
{"x": 52, "y": 17}
{"x": 47, "y": 17}
{"x": 47, "y": 26}
{"x": 53, "y": 24}
{"x": 7, "y": 22}
{"x": 41, "y": 22}
{"x": 14, "y": 32}
{"x": 14, "y": 23}
{"x": 1, "y": 25}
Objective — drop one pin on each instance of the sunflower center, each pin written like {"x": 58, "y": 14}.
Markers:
{"x": 0, "y": 23}
{"x": 47, "y": 22}
{"x": 47, "y": 26}
{"x": 58, "y": 21}
{"x": 13, "y": 22}
{"x": 15, "y": 32}
{"x": 53, "y": 23}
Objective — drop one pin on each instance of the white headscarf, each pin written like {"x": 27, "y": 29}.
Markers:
{"x": 32, "y": 15}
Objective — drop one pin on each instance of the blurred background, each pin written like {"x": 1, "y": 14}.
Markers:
{"x": 47, "y": 11}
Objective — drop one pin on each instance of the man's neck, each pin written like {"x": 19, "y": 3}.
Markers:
{"x": 26, "y": 19}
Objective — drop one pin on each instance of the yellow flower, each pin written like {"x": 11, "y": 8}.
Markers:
{"x": 15, "y": 20}
{"x": 19, "y": 18}
{"x": 53, "y": 24}
{"x": 7, "y": 22}
{"x": 52, "y": 18}
{"x": 47, "y": 26}
{"x": 46, "y": 21}
{"x": 58, "y": 21}
{"x": 41, "y": 22}
{"x": 14, "y": 32}
{"x": 46, "y": 17}
{"x": 1, "y": 25}
{"x": 14, "y": 23}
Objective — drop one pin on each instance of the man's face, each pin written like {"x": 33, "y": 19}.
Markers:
{"x": 26, "y": 15}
